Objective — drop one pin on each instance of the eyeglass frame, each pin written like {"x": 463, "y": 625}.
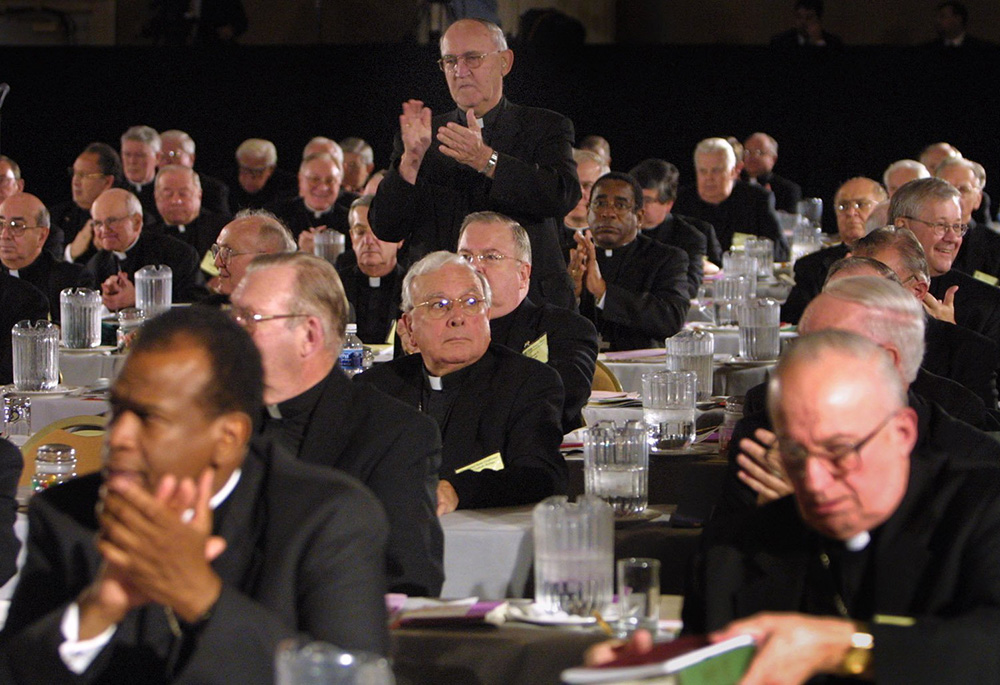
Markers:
{"x": 795, "y": 463}
{"x": 848, "y": 205}
{"x": 73, "y": 173}
{"x": 95, "y": 224}
{"x": 15, "y": 231}
{"x": 451, "y": 61}
{"x": 600, "y": 203}
{"x": 940, "y": 228}
{"x": 487, "y": 258}
{"x": 249, "y": 321}
{"x": 441, "y": 307}
{"x": 229, "y": 252}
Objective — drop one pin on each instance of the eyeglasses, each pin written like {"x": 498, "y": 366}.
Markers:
{"x": 839, "y": 460}
{"x": 16, "y": 227}
{"x": 73, "y": 173}
{"x": 107, "y": 223}
{"x": 848, "y": 205}
{"x": 254, "y": 172}
{"x": 224, "y": 253}
{"x": 441, "y": 307}
{"x": 940, "y": 228}
{"x": 487, "y": 258}
{"x": 249, "y": 320}
{"x": 756, "y": 153}
{"x": 472, "y": 60}
{"x": 619, "y": 205}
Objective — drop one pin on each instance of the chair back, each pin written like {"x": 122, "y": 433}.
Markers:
{"x": 605, "y": 379}
{"x": 85, "y": 434}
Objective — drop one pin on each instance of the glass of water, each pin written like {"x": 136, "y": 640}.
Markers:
{"x": 328, "y": 245}
{"x": 616, "y": 465}
{"x": 693, "y": 350}
{"x": 668, "y": 409}
{"x": 759, "y": 322}
{"x": 154, "y": 289}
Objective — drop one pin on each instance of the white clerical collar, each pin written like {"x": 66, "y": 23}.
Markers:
{"x": 14, "y": 273}
{"x": 219, "y": 497}
{"x": 609, "y": 253}
{"x": 317, "y": 213}
{"x": 273, "y": 411}
{"x": 481, "y": 122}
{"x": 858, "y": 542}
{"x": 180, "y": 228}
{"x": 374, "y": 281}
{"x": 435, "y": 381}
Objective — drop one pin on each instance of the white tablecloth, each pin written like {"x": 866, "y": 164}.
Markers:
{"x": 487, "y": 552}
{"x": 84, "y": 368}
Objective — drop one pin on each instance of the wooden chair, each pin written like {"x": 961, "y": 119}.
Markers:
{"x": 85, "y": 434}
{"x": 605, "y": 379}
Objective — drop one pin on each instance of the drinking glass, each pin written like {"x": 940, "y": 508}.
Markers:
{"x": 734, "y": 263}
{"x": 318, "y": 663}
{"x": 154, "y": 289}
{"x": 616, "y": 465}
{"x": 730, "y": 290}
{"x": 759, "y": 335}
{"x": 36, "y": 355}
{"x": 80, "y": 314}
{"x": 811, "y": 209}
{"x": 328, "y": 245}
{"x": 693, "y": 350}
{"x": 638, "y": 595}
{"x": 668, "y": 409}
{"x": 574, "y": 555}
{"x": 761, "y": 250}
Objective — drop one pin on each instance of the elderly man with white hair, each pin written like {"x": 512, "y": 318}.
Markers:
{"x": 177, "y": 147}
{"x": 979, "y": 255}
{"x": 499, "y": 411}
{"x": 730, "y": 205}
{"x": 901, "y": 172}
{"x": 258, "y": 181}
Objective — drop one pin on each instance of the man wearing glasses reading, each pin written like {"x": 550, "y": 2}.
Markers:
{"x": 488, "y": 154}
{"x": 499, "y": 411}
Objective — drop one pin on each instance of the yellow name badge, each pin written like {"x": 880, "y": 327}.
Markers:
{"x": 494, "y": 462}
{"x": 985, "y": 278}
{"x": 538, "y": 350}
{"x": 740, "y": 239}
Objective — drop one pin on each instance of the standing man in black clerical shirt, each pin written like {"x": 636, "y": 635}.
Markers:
{"x": 294, "y": 308}
{"x": 500, "y": 249}
{"x": 499, "y": 411}
{"x": 374, "y": 283}
{"x": 95, "y": 170}
{"x": 24, "y": 225}
{"x": 632, "y": 287}
{"x": 488, "y": 154}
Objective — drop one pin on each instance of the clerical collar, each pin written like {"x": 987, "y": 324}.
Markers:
{"x": 121, "y": 255}
{"x": 435, "y": 382}
{"x": 14, "y": 273}
{"x": 374, "y": 281}
{"x": 858, "y": 542}
{"x": 181, "y": 228}
{"x": 218, "y": 498}
{"x": 488, "y": 120}
{"x": 608, "y": 252}
{"x": 301, "y": 404}
{"x": 448, "y": 381}
{"x": 139, "y": 186}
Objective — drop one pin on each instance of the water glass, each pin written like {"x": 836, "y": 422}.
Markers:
{"x": 36, "y": 355}
{"x": 761, "y": 250}
{"x": 616, "y": 465}
{"x": 54, "y": 463}
{"x": 730, "y": 290}
{"x": 130, "y": 320}
{"x": 693, "y": 350}
{"x": 328, "y": 245}
{"x": 811, "y": 209}
{"x": 668, "y": 409}
{"x": 759, "y": 336}
{"x": 154, "y": 289}
{"x": 734, "y": 263}
{"x": 806, "y": 240}
{"x": 319, "y": 663}
{"x": 80, "y": 314}
{"x": 17, "y": 418}
{"x": 638, "y": 595}
{"x": 574, "y": 555}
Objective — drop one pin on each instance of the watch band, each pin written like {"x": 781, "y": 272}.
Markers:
{"x": 858, "y": 659}
{"x": 490, "y": 165}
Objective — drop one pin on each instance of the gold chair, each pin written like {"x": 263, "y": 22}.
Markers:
{"x": 605, "y": 379}
{"x": 85, "y": 434}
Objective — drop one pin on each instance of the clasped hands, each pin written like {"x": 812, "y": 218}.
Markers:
{"x": 464, "y": 144}
{"x": 118, "y": 292}
{"x": 583, "y": 266}
{"x": 153, "y": 552}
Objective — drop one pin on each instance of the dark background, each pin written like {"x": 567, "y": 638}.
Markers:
{"x": 835, "y": 116}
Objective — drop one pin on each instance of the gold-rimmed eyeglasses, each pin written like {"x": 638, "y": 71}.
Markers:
{"x": 472, "y": 60}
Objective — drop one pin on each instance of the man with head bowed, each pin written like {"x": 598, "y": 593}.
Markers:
{"x": 487, "y": 154}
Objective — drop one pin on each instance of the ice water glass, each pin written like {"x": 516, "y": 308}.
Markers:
{"x": 616, "y": 465}
{"x": 574, "y": 555}
{"x": 668, "y": 409}
{"x": 36, "y": 355}
{"x": 806, "y": 240}
{"x": 693, "y": 350}
{"x": 759, "y": 322}
{"x": 328, "y": 245}
{"x": 154, "y": 289}
{"x": 80, "y": 314}
{"x": 638, "y": 595}
{"x": 130, "y": 320}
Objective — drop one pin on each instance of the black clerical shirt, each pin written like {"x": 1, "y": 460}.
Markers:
{"x": 289, "y": 428}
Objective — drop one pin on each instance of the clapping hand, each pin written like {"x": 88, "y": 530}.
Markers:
{"x": 465, "y": 144}
{"x": 415, "y": 131}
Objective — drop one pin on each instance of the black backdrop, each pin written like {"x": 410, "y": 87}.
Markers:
{"x": 835, "y": 116}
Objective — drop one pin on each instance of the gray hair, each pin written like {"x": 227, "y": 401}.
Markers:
{"x": 902, "y": 242}
{"x": 911, "y": 164}
{"x": 975, "y": 167}
{"x": 14, "y": 168}
{"x": 330, "y": 147}
{"x": 258, "y": 147}
{"x": 317, "y": 291}
{"x": 272, "y": 234}
{"x": 522, "y": 243}
{"x": 143, "y": 134}
{"x": 433, "y": 262}
{"x": 322, "y": 155}
{"x": 711, "y": 146}
{"x": 496, "y": 33}
{"x": 581, "y": 155}
{"x": 186, "y": 141}
{"x": 893, "y": 317}
{"x": 879, "y": 217}
{"x": 358, "y": 146}
{"x": 771, "y": 142}
{"x": 808, "y": 349}
{"x": 910, "y": 199}
{"x": 170, "y": 168}
{"x": 862, "y": 266}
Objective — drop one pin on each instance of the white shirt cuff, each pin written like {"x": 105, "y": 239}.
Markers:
{"x": 600, "y": 302}
{"x": 79, "y": 654}
{"x": 67, "y": 255}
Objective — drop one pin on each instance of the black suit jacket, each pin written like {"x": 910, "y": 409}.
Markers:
{"x": 199, "y": 234}
{"x": 748, "y": 209}
{"x": 280, "y": 186}
{"x": 11, "y": 465}
{"x": 934, "y": 559}
{"x": 52, "y": 277}
{"x": 977, "y": 305}
{"x": 153, "y": 248}
{"x": 713, "y": 250}
{"x": 19, "y": 300}
{"x": 678, "y": 232}
{"x": 298, "y": 218}
{"x": 647, "y": 297}
{"x": 214, "y": 195}
{"x": 810, "y": 275}
{"x": 505, "y": 403}
{"x": 535, "y": 183}
{"x": 375, "y": 309}
{"x": 786, "y": 193}
{"x": 396, "y": 452}
{"x": 70, "y": 218}
{"x": 964, "y": 356}
{"x": 572, "y": 348}
{"x": 980, "y": 251}
{"x": 305, "y": 555}
{"x": 790, "y": 40}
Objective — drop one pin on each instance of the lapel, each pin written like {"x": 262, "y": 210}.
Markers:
{"x": 505, "y": 133}
{"x": 521, "y": 330}
{"x": 327, "y": 433}
{"x": 240, "y": 521}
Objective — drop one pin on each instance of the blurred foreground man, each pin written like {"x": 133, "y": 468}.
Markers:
{"x": 193, "y": 554}
{"x": 883, "y": 560}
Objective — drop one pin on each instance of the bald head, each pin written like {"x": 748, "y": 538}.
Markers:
{"x": 25, "y": 214}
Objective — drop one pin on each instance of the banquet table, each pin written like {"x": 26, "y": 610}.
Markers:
{"x": 728, "y": 378}
{"x": 86, "y": 367}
